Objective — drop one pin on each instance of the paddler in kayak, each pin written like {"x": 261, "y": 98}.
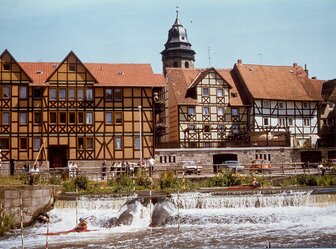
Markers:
{"x": 82, "y": 226}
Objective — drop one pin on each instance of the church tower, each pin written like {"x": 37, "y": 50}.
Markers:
{"x": 177, "y": 52}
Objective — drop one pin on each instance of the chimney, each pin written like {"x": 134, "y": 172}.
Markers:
{"x": 239, "y": 61}
{"x": 294, "y": 64}
{"x": 314, "y": 78}
{"x": 306, "y": 70}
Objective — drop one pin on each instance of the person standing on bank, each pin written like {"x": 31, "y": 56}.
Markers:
{"x": 104, "y": 167}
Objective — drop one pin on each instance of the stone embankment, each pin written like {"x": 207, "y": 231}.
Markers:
{"x": 25, "y": 203}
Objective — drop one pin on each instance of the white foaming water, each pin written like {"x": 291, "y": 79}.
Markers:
{"x": 205, "y": 221}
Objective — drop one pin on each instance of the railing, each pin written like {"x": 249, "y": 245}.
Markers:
{"x": 202, "y": 171}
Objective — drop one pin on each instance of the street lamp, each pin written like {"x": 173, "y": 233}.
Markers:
{"x": 140, "y": 133}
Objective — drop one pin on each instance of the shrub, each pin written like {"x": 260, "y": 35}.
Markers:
{"x": 227, "y": 178}
{"x": 69, "y": 186}
{"x": 6, "y": 223}
{"x": 168, "y": 180}
{"x": 54, "y": 180}
{"x": 143, "y": 182}
{"x": 81, "y": 182}
{"x": 122, "y": 183}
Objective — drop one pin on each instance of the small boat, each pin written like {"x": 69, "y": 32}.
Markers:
{"x": 69, "y": 231}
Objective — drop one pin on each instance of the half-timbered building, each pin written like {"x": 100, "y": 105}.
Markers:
{"x": 77, "y": 111}
{"x": 284, "y": 104}
{"x": 205, "y": 109}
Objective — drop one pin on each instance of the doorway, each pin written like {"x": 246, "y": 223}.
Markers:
{"x": 58, "y": 156}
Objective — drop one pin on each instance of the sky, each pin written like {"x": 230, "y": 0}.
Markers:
{"x": 268, "y": 32}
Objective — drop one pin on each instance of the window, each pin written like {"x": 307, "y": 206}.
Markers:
{"x": 282, "y": 122}
{"x": 4, "y": 143}
{"x": 191, "y": 128}
{"x": 53, "y": 119}
{"x": 23, "y": 118}
{"x": 108, "y": 118}
{"x": 80, "y": 94}
{"x": 290, "y": 122}
{"x": 89, "y": 143}
{"x": 235, "y": 129}
{"x": 266, "y": 121}
{"x": 137, "y": 143}
{"x": 23, "y": 92}
{"x": 89, "y": 94}
{"x": 6, "y": 92}
{"x": 266, "y": 104}
{"x": 220, "y": 92}
{"x": 206, "y": 110}
{"x": 37, "y": 93}
{"x": 53, "y": 93}
{"x": 117, "y": 95}
{"x": 80, "y": 143}
{"x": 72, "y": 117}
{"x": 206, "y": 128}
{"x": 80, "y": 118}
{"x": 89, "y": 118}
{"x": 37, "y": 143}
{"x": 220, "y": 111}
{"x": 72, "y": 94}
{"x": 6, "y": 66}
{"x": 118, "y": 118}
{"x": 37, "y": 117}
{"x": 23, "y": 143}
{"x": 234, "y": 112}
{"x": 108, "y": 95}
{"x": 62, "y": 95}
{"x": 118, "y": 143}
{"x": 234, "y": 94}
{"x": 281, "y": 105}
{"x": 306, "y": 122}
{"x": 186, "y": 64}
{"x": 191, "y": 110}
{"x": 62, "y": 118}
{"x": 205, "y": 91}
{"x": 5, "y": 118}
{"x": 72, "y": 67}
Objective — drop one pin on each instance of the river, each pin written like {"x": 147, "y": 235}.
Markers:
{"x": 292, "y": 219}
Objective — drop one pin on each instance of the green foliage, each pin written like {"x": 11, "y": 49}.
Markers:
{"x": 143, "y": 182}
{"x": 69, "y": 186}
{"x": 6, "y": 223}
{"x": 12, "y": 180}
{"x": 227, "y": 178}
{"x": 81, "y": 182}
{"x": 122, "y": 183}
{"x": 307, "y": 180}
{"x": 54, "y": 180}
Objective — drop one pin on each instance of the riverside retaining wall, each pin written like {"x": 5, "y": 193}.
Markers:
{"x": 33, "y": 200}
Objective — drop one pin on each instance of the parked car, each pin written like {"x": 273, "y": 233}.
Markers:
{"x": 190, "y": 167}
{"x": 261, "y": 165}
{"x": 232, "y": 165}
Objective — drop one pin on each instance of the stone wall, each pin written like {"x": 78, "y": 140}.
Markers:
{"x": 34, "y": 200}
{"x": 205, "y": 157}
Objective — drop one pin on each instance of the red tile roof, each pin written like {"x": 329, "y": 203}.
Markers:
{"x": 127, "y": 75}
{"x": 279, "y": 82}
{"x": 180, "y": 80}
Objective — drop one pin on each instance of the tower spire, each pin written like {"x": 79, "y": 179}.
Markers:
{"x": 178, "y": 52}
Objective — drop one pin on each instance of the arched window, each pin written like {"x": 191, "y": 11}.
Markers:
{"x": 186, "y": 64}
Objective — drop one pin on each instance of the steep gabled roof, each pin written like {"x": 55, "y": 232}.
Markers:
{"x": 6, "y": 52}
{"x": 279, "y": 82}
{"x": 125, "y": 74}
{"x": 181, "y": 80}
{"x": 119, "y": 75}
{"x": 39, "y": 71}
{"x": 329, "y": 91}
